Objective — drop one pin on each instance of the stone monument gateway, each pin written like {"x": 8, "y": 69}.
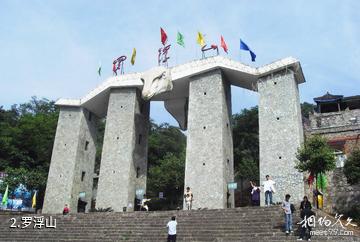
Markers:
{"x": 198, "y": 95}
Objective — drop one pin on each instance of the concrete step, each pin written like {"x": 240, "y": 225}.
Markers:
{"x": 240, "y": 224}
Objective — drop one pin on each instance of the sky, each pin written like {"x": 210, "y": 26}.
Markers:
{"x": 52, "y": 49}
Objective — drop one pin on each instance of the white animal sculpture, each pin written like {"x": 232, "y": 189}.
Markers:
{"x": 157, "y": 80}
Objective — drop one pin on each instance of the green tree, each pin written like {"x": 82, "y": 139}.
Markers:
{"x": 307, "y": 108}
{"x": 166, "y": 163}
{"x": 246, "y": 150}
{"x": 32, "y": 179}
{"x": 164, "y": 139}
{"x": 168, "y": 177}
{"x": 8, "y": 121}
{"x": 315, "y": 156}
{"x": 246, "y": 144}
{"x": 27, "y": 133}
{"x": 352, "y": 167}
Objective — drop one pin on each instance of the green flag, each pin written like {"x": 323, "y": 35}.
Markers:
{"x": 321, "y": 181}
{"x": 180, "y": 39}
{"x": 5, "y": 197}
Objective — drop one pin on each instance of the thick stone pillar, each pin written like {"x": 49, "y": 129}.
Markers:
{"x": 72, "y": 162}
{"x": 280, "y": 134}
{"x": 124, "y": 155}
{"x": 209, "y": 150}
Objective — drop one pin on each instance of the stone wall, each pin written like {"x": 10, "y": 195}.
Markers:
{"x": 340, "y": 195}
{"x": 335, "y": 119}
{"x": 342, "y": 129}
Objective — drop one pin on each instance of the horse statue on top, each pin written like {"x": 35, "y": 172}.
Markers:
{"x": 156, "y": 80}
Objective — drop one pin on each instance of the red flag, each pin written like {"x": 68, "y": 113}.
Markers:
{"x": 163, "y": 36}
{"x": 223, "y": 44}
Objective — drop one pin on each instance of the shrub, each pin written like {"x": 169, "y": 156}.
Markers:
{"x": 352, "y": 167}
{"x": 354, "y": 213}
{"x": 101, "y": 210}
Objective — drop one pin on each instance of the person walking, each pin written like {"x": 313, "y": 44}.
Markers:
{"x": 305, "y": 214}
{"x": 255, "y": 194}
{"x": 188, "y": 195}
{"x": 171, "y": 225}
{"x": 269, "y": 189}
{"x": 305, "y": 204}
{"x": 286, "y": 206}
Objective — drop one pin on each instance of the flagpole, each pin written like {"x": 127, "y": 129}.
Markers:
{"x": 240, "y": 52}
{"x": 194, "y": 51}
{"x": 176, "y": 54}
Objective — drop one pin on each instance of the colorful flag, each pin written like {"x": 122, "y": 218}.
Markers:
{"x": 180, "y": 39}
{"x": 5, "y": 197}
{"x": 223, "y": 44}
{"x": 33, "y": 205}
{"x": 133, "y": 57}
{"x": 99, "y": 69}
{"x": 244, "y": 46}
{"x": 200, "y": 39}
{"x": 163, "y": 36}
{"x": 321, "y": 181}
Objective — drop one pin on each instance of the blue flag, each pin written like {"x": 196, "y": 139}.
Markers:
{"x": 244, "y": 46}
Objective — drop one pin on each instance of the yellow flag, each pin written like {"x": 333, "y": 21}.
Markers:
{"x": 200, "y": 39}
{"x": 133, "y": 56}
{"x": 34, "y": 201}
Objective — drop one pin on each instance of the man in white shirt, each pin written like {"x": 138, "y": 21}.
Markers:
{"x": 171, "y": 225}
{"x": 269, "y": 189}
{"x": 143, "y": 203}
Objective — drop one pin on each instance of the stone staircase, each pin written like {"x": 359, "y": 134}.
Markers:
{"x": 250, "y": 224}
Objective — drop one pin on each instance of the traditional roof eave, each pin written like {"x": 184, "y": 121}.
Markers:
{"x": 328, "y": 98}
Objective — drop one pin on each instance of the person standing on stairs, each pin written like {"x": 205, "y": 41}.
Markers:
{"x": 171, "y": 225}
{"x": 255, "y": 194}
{"x": 188, "y": 195}
{"x": 188, "y": 201}
{"x": 305, "y": 214}
{"x": 305, "y": 204}
{"x": 269, "y": 189}
{"x": 286, "y": 206}
{"x": 66, "y": 210}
